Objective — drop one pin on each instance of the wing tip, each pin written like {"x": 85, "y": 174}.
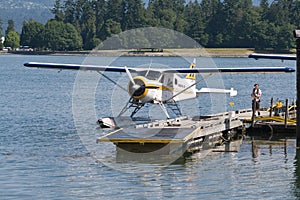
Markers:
{"x": 27, "y": 64}
{"x": 289, "y": 69}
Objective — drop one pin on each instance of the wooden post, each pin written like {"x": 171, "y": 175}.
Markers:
{"x": 297, "y": 36}
{"x": 271, "y": 107}
{"x": 286, "y": 112}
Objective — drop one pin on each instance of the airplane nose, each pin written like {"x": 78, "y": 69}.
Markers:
{"x": 135, "y": 87}
{"x": 136, "y": 90}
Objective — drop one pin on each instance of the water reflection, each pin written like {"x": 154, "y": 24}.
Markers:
{"x": 297, "y": 174}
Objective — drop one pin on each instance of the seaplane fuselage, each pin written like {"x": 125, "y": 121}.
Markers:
{"x": 161, "y": 89}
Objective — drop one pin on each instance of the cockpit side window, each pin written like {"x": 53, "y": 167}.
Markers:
{"x": 162, "y": 79}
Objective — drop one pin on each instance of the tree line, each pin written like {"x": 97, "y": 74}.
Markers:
{"x": 84, "y": 24}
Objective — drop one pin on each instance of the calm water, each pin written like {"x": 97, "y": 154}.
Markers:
{"x": 48, "y": 151}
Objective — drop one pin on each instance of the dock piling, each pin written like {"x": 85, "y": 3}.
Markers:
{"x": 286, "y": 112}
{"x": 271, "y": 107}
{"x": 297, "y": 36}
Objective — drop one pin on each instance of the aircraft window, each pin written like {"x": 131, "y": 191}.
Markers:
{"x": 175, "y": 81}
{"x": 152, "y": 75}
{"x": 162, "y": 79}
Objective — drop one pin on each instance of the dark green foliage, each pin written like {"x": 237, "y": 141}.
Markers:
{"x": 10, "y": 27}
{"x": 57, "y": 11}
{"x": 32, "y": 34}
{"x": 212, "y": 23}
{"x": 59, "y": 36}
{"x": 12, "y": 39}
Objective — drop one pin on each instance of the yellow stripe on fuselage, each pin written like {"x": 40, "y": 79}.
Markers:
{"x": 162, "y": 87}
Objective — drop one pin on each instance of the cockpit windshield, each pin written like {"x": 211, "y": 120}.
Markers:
{"x": 151, "y": 75}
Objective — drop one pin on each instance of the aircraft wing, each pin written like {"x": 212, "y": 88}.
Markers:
{"x": 75, "y": 67}
{"x": 166, "y": 70}
{"x": 272, "y": 56}
{"x": 230, "y": 70}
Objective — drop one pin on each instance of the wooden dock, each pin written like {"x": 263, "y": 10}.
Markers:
{"x": 271, "y": 127}
{"x": 180, "y": 136}
{"x": 185, "y": 135}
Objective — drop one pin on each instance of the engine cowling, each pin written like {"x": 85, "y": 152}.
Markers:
{"x": 142, "y": 90}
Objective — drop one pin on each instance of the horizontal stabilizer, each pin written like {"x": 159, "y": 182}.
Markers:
{"x": 232, "y": 92}
{"x": 272, "y": 56}
{"x": 161, "y": 70}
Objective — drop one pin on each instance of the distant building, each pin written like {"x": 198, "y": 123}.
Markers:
{"x": 2, "y": 39}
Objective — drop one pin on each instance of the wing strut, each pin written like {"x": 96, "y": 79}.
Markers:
{"x": 114, "y": 82}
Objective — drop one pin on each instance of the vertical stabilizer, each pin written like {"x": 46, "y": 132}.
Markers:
{"x": 192, "y": 76}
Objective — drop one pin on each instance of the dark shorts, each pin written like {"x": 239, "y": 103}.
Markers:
{"x": 255, "y": 105}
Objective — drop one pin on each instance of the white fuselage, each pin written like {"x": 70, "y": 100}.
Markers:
{"x": 165, "y": 88}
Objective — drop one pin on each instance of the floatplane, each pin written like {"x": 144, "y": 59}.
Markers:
{"x": 160, "y": 86}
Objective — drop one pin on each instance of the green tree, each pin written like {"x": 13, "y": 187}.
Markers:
{"x": 134, "y": 14}
{"x": 212, "y": 23}
{"x": 62, "y": 37}
{"x": 264, "y": 6}
{"x": 100, "y": 10}
{"x": 31, "y": 34}
{"x": 285, "y": 39}
{"x": 81, "y": 14}
{"x": 295, "y": 14}
{"x": 69, "y": 11}
{"x": 10, "y": 27}
{"x": 210, "y": 8}
{"x": 111, "y": 28}
{"x": 196, "y": 23}
{"x": 57, "y": 11}
{"x": 12, "y": 39}
{"x": 114, "y": 10}
{"x": 230, "y": 19}
{"x": 214, "y": 27}
{"x": 245, "y": 28}
{"x": 164, "y": 11}
{"x": 88, "y": 26}
{"x": 72, "y": 38}
{"x": 180, "y": 23}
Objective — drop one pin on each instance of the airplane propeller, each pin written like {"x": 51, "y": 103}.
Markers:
{"x": 138, "y": 87}
{"x": 129, "y": 75}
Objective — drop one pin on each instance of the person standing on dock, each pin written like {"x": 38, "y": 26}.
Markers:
{"x": 256, "y": 94}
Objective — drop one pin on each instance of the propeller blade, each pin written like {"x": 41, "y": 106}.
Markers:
{"x": 129, "y": 75}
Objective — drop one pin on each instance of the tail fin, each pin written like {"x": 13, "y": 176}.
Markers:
{"x": 192, "y": 76}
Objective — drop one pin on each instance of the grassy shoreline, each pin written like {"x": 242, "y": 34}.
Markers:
{"x": 197, "y": 52}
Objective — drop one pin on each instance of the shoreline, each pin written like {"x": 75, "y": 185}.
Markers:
{"x": 204, "y": 52}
